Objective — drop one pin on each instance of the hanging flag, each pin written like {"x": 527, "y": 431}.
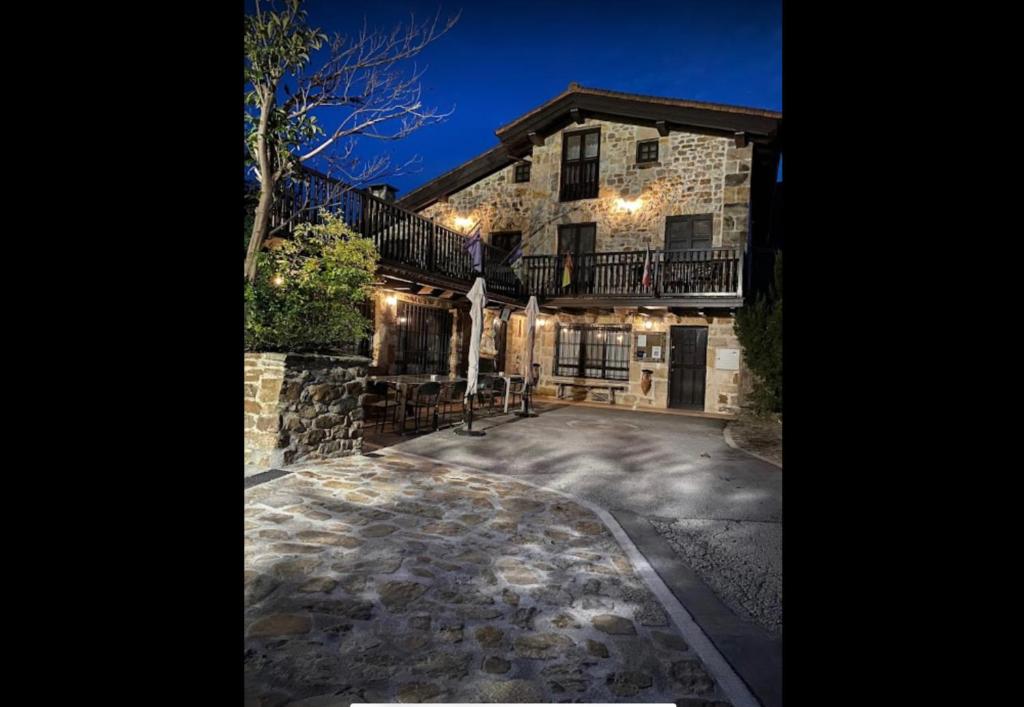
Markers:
{"x": 646, "y": 281}
{"x": 515, "y": 259}
{"x": 567, "y": 270}
{"x": 474, "y": 244}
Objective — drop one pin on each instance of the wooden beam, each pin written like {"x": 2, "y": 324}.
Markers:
{"x": 662, "y": 128}
{"x": 741, "y": 139}
{"x": 536, "y": 139}
{"x": 443, "y": 199}
{"x": 426, "y": 290}
{"x": 447, "y": 294}
{"x": 576, "y": 115}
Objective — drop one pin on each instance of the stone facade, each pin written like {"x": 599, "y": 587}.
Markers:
{"x": 302, "y": 407}
{"x": 695, "y": 174}
{"x": 722, "y": 387}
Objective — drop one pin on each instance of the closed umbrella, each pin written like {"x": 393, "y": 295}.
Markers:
{"x": 477, "y": 296}
{"x": 532, "y": 310}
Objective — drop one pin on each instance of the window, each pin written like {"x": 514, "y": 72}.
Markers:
{"x": 577, "y": 238}
{"x": 647, "y": 151}
{"x": 581, "y": 153}
{"x": 506, "y": 240}
{"x": 692, "y": 232}
{"x": 424, "y": 334}
{"x": 593, "y": 352}
{"x": 522, "y": 172}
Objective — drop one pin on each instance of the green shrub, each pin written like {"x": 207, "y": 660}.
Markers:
{"x": 307, "y": 290}
{"x": 759, "y": 328}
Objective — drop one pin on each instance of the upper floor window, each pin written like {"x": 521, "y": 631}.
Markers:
{"x": 646, "y": 151}
{"x": 522, "y": 172}
{"x": 506, "y": 240}
{"x": 581, "y": 154}
{"x": 693, "y": 232}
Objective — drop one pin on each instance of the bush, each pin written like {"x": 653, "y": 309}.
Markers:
{"x": 307, "y": 291}
{"x": 759, "y": 328}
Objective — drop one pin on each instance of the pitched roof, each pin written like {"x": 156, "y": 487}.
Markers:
{"x": 580, "y": 102}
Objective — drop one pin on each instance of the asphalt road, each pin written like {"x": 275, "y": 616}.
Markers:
{"x": 719, "y": 508}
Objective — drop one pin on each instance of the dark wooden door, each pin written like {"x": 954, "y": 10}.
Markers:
{"x": 687, "y": 367}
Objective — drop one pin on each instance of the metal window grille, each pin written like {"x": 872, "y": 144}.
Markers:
{"x": 593, "y": 352}
{"x": 424, "y": 337}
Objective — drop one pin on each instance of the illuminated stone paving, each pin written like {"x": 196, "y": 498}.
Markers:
{"x": 392, "y": 579}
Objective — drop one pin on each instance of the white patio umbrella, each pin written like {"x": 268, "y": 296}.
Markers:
{"x": 532, "y": 310}
{"x": 477, "y": 296}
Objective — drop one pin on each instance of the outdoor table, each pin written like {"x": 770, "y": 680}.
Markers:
{"x": 508, "y": 386}
{"x": 406, "y": 382}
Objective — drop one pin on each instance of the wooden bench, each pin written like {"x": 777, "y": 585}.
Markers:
{"x": 611, "y": 387}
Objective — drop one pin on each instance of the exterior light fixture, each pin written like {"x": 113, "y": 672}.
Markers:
{"x": 648, "y": 324}
{"x": 630, "y": 205}
{"x": 391, "y": 300}
{"x": 463, "y": 222}
{"x": 278, "y": 280}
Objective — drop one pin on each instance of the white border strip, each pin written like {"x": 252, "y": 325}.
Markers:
{"x": 736, "y": 691}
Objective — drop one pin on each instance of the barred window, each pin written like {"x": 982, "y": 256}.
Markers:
{"x": 522, "y": 172}
{"x": 593, "y": 352}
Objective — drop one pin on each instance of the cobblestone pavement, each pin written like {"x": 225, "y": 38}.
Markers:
{"x": 395, "y": 580}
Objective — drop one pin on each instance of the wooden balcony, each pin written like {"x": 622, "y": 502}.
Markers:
{"x": 707, "y": 277}
{"x": 409, "y": 245}
{"x": 419, "y": 250}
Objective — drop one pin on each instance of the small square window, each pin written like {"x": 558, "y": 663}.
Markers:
{"x": 647, "y": 151}
{"x": 522, "y": 173}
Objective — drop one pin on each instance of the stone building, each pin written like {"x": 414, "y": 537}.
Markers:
{"x": 639, "y": 219}
{"x": 618, "y": 184}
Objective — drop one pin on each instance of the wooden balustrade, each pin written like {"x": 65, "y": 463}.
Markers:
{"x": 714, "y": 271}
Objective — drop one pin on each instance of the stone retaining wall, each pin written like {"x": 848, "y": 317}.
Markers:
{"x": 302, "y": 406}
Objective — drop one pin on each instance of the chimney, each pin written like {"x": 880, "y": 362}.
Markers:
{"x": 383, "y": 191}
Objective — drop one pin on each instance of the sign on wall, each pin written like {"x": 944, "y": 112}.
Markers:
{"x": 727, "y": 359}
{"x": 649, "y": 346}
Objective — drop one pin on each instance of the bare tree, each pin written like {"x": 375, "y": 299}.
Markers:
{"x": 363, "y": 88}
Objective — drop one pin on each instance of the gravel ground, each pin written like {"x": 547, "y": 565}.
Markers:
{"x": 760, "y": 435}
{"x": 737, "y": 559}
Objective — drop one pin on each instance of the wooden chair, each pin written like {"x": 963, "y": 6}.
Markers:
{"x": 425, "y": 399}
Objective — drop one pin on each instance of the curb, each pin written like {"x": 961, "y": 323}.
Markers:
{"x": 732, "y": 443}
{"x": 736, "y": 691}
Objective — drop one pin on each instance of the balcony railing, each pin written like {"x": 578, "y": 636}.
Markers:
{"x": 403, "y": 238}
{"x": 697, "y": 273}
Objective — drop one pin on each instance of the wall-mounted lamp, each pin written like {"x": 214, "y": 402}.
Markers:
{"x": 630, "y": 205}
{"x": 391, "y": 300}
{"x": 648, "y": 324}
{"x": 541, "y": 321}
{"x": 462, "y": 222}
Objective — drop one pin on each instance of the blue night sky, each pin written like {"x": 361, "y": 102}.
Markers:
{"x": 504, "y": 58}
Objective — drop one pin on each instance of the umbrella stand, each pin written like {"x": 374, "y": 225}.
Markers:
{"x": 467, "y": 424}
{"x": 524, "y": 410}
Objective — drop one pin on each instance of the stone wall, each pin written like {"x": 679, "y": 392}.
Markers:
{"x": 695, "y": 174}
{"x": 302, "y": 407}
{"x": 722, "y": 387}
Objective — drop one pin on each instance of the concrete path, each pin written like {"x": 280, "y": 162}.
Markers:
{"x": 717, "y": 508}
{"x": 394, "y": 579}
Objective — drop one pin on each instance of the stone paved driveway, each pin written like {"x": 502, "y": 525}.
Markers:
{"x": 394, "y": 580}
